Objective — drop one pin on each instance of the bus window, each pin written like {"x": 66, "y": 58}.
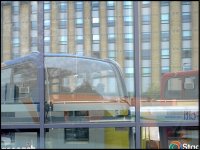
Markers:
{"x": 79, "y": 88}
{"x": 188, "y": 84}
{"x": 180, "y": 85}
{"x": 19, "y": 99}
{"x": 174, "y": 87}
{"x": 190, "y": 90}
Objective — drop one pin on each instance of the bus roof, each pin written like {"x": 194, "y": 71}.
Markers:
{"x": 35, "y": 56}
{"x": 180, "y": 74}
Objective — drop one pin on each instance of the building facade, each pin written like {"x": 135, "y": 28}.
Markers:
{"x": 168, "y": 32}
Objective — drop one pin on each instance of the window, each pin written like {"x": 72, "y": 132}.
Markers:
{"x": 16, "y": 26}
{"x": 146, "y": 19}
{"x": 46, "y": 24}
{"x": 128, "y": 54}
{"x": 165, "y": 9}
{"x": 186, "y": 53}
{"x": 76, "y": 134}
{"x": 34, "y": 7}
{"x": 95, "y": 5}
{"x": 111, "y": 46}
{"x": 16, "y": 42}
{"x": 164, "y": 3}
{"x": 95, "y": 20}
{"x": 111, "y": 21}
{"x": 110, "y": 4}
{"x": 111, "y": 54}
{"x": 62, "y": 16}
{"x": 164, "y": 18}
{"x": 186, "y": 35}
{"x": 128, "y": 46}
{"x": 186, "y": 26}
{"x": 145, "y": 11}
{"x": 165, "y": 45}
{"x": 146, "y": 46}
{"x": 63, "y": 6}
{"x": 165, "y": 53}
{"x": 165, "y": 36}
{"x": 34, "y": 41}
{"x": 128, "y": 19}
{"x": 146, "y": 36}
{"x": 47, "y": 6}
{"x": 62, "y": 24}
{"x": 146, "y": 28}
{"x": 47, "y": 40}
{"x": 186, "y": 44}
{"x": 15, "y": 10}
{"x": 186, "y": 17}
{"x": 128, "y": 4}
{"x": 63, "y": 40}
{"x": 186, "y": 7}
{"x": 128, "y": 12}
{"x": 79, "y": 21}
{"x": 146, "y": 54}
{"x": 165, "y": 27}
{"x": 128, "y": 37}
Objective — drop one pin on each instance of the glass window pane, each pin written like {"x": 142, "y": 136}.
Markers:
{"x": 95, "y": 20}
{"x": 186, "y": 26}
{"x": 20, "y": 93}
{"x": 169, "y": 137}
{"x": 165, "y": 27}
{"x": 69, "y": 88}
{"x": 146, "y": 28}
{"x": 146, "y": 11}
{"x": 19, "y": 139}
{"x": 185, "y": 8}
{"x": 165, "y": 9}
{"x": 78, "y": 138}
{"x": 110, "y": 12}
{"x": 186, "y": 44}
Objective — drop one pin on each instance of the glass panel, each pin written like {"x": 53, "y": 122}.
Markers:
{"x": 19, "y": 139}
{"x": 172, "y": 61}
{"x": 83, "y": 93}
{"x": 169, "y": 137}
{"x": 95, "y": 138}
{"x": 19, "y": 99}
{"x": 176, "y": 102}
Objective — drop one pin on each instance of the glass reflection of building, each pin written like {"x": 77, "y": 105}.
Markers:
{"x": 168, "y": 39}
{"x": 105, "y": 30}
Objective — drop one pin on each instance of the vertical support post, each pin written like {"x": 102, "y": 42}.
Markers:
{"x": 137, "y": 73}
{"x": 41, "y": 70}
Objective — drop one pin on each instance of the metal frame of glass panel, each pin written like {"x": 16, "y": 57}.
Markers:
{"x": 137, "y": 124}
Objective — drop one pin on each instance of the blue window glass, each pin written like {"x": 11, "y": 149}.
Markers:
{"x": 79, "y": 21}
{"x": 186, "y": 35}
{"x": 146, "y": 19}
{"x": 164, "y": 18}
{"x": 46, "y": 7}
{"x": 63, "y": 6}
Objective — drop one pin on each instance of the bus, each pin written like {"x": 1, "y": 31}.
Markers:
{"x": 181, "y": 85}
{"x": 77, "y": 89}
{"x": 179, "y": 98}
{"x": 178, "y": 103}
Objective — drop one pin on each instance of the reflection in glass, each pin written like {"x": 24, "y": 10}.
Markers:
{"x": 100, "y": 138}
{"x": 175, "y": 100}
{"x": 76, "y": 85}
{"x": 169, "y": 137}
{"x": 19, "y": 99}
{"x": 18, "y": 139}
